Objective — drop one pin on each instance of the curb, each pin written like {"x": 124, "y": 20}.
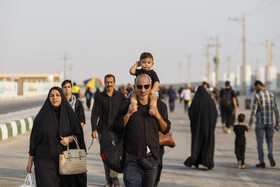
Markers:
{"x": 13, "y": 128}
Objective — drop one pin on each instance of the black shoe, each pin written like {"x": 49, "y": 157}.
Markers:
{"x": 261, "y": 165}
{"x": 271, "y": 160}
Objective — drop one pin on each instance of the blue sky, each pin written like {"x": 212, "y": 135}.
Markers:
{"x": 108, "y": 36}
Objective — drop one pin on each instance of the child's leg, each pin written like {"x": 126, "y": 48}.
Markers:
{"x": 237, "y": 152}
{"x": 238, "y": 156}
{"x": 243, "y": 154}
{"x": 133, "y": 98}
{"x": 153, "y": 100}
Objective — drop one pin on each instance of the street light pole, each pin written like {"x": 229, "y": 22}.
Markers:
{"x": 208, "y": 63}
{"x": 244, "y": 58}
{"x": 268, "y": 48}
{"x": 65, "y": 57}
{"x": 189, "y": 70}
{"x": 179, "y": 69}
{"x": 228, "y": 74}
{"x": 217, "y": 61}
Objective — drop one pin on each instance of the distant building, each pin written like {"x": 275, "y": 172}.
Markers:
{"x": 273, "y": 76}
{"x": 213, "y": 79}
{"x": 278, "y": 81}
{"x": 22, "y": 79}
{"x": 248, "y": 78}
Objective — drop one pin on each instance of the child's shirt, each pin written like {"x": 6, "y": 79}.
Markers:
{"x": 240, "y": 133}
{"x": 151, "y": 73}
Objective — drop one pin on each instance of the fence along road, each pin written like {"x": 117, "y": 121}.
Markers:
{"x": 14, "y": 156}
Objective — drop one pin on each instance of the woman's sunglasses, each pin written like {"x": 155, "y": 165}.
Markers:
{"x": 146, "y": 86}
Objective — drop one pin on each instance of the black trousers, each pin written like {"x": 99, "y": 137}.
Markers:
{"x": 135, "y": 175}
{"x": 161, "y": 153}
{"x": 186, "y": 105}
{"x": 228, "y": 116}
{"x": 171, "y": 105}
{"x": 240, "y": 152}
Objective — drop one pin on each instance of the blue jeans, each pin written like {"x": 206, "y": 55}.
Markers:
{"x": 136, "y": 176}
{"x": 268, "y": 130}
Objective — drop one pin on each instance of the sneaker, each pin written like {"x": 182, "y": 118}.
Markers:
{"x": 228, "y": 130}
{"x": 261, "y": 165}
{"x": 239, "y": 164}
{"x": 205, "y": 168}
{"x": 271, "y": 160}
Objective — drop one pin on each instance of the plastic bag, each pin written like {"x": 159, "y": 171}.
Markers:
{"x": 28, "y": 181}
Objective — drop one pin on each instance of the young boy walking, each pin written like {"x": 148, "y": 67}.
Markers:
{"x": 146, "y": 62}
{"x": 240, "y": 141}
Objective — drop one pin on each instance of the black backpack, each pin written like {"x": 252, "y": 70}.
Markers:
{"x": 112, "y": 149}
{"x": 226, "y": 100}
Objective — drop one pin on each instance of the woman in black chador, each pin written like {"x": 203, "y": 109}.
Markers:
{"x": 203, "y": 116}
{"x": 53, "y": 129}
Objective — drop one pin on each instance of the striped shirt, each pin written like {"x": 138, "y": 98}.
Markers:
{"x": 264, "y": 106}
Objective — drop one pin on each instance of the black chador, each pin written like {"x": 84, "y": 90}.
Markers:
{"x": 49, "y": 125}
{"x": 203, "y": 116}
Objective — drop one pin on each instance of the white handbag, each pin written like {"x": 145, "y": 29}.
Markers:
{"x": 28, "y": 181}
{"x": 73, "y": 161}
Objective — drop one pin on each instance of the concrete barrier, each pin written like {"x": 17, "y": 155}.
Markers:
{"x": 13, "y": 128}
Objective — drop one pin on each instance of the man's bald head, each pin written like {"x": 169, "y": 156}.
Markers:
{"x": 143, "y": 76}
{"x": 143, "y": 86}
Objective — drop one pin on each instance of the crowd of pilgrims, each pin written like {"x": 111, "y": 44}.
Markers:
{"x": 202, "y": 113}
{"x": 140, "y": 114}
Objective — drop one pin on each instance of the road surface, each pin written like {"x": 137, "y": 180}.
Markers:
{"x": 14, "y": 155}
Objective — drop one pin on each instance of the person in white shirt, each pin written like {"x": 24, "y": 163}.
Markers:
{"x": 186, "y": 95}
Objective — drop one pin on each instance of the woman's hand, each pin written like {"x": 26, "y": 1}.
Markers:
{"x": 29, "y": 164}
{"x": 66, "y": 140}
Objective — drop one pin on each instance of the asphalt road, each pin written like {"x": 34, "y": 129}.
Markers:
{"x": 7, "y": 106}
{"x": 13, "y": 159}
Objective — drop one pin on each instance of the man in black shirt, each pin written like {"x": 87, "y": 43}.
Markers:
{"x": 228, "y": 106}
{"x": 106, "y": 107}
{"x": 75, "y": 103}
{"x": 141, "y": 140}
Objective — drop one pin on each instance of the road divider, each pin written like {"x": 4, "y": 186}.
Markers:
{"x": 14, "y": 128}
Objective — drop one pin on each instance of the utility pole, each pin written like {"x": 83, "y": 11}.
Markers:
{"x": 65, "y": 58}
{"x": 70, "y": 71}
{"x": 208, "y": 63}
{"x": 228, "y": 74}
{"x": 217, "y": 61}
{"x": 256, "y": 70}
{"x": 208, "y": 71}
{"x": 243, "y": 51}
{"x": 268, "y": 50}
{"x": 179, "y": 73}
{"x": 189, "y": 70}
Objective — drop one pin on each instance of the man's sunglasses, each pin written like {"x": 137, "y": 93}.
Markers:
{"x": 146, "y": 86}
